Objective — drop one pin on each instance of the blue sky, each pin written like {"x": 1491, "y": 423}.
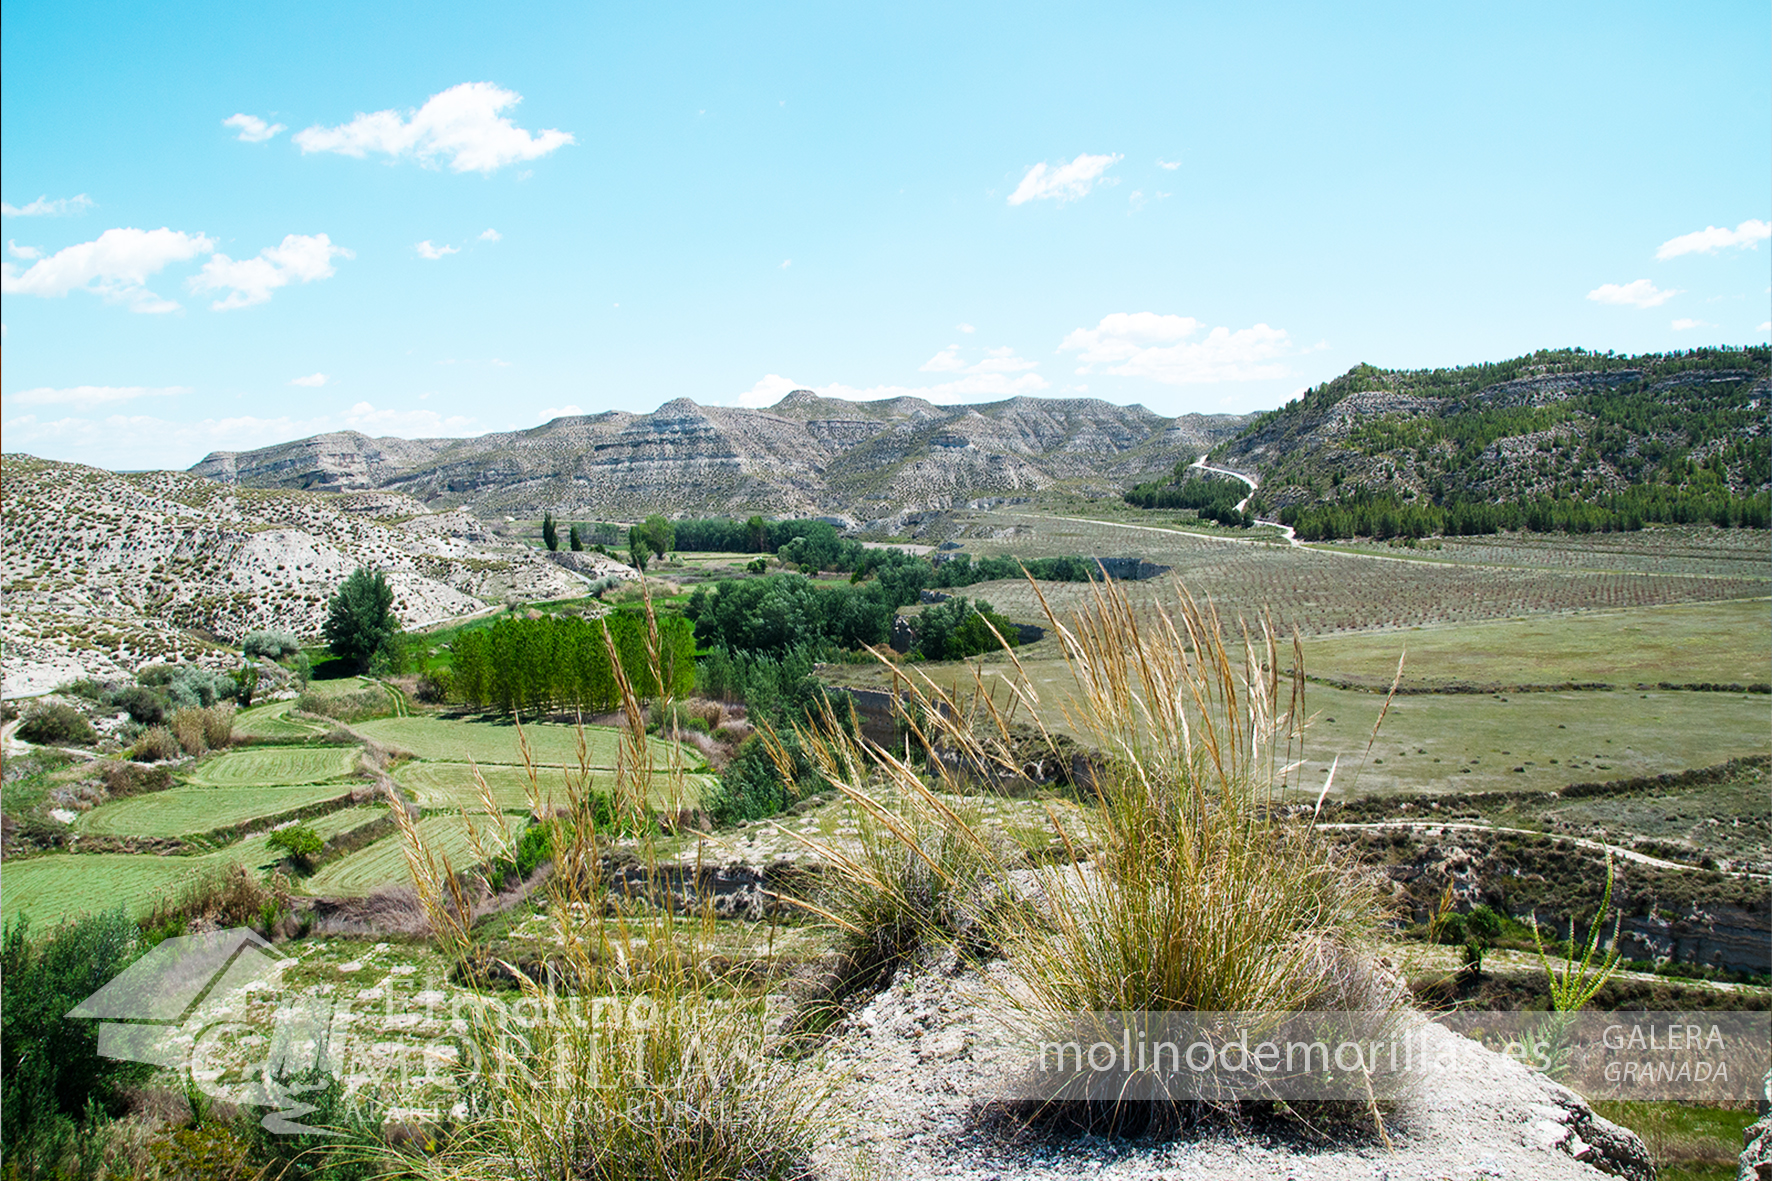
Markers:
{"x": 448, "y": 219}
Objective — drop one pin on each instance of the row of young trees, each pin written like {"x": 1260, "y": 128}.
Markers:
{"x": 1382, "y": 515}
{"x": 539, "y": 665}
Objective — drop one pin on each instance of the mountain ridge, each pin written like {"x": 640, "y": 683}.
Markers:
{"x": 805, "y": 454}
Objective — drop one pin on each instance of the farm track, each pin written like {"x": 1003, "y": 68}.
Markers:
{"x": 1587, "y": 843}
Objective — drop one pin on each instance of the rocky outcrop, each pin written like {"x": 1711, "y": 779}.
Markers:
{"x": 805, "y": 455}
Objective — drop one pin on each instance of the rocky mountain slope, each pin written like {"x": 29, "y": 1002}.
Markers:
{"x": 1565, "y": 424}
{"x": 804, "y": 455}
{"x": 102, "y": 572}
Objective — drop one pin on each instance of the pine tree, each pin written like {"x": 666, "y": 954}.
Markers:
{"x": 359, "y": 618}
{"x": 577, "y": 542}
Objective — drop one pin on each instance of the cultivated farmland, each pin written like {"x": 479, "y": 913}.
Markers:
{"x": 496, "y": 742}
{"x": 186, "y": 811}
{"x": 451, "y": 785}
{"x": 383, "y": 864}
{"x": 276, "y": 766}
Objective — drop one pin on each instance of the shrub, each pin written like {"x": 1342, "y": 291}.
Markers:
{"x": 187, "y": 727}
{"x": 54, "y": 1075}
{"x": 132, "y": 779}
{"x": 144, "y": 705}
{"x": 271, "y": 645}
{"x": 55, "y": 724}
{"x": 218, "y": 725}
{"x": 85, "y": 687}
{"x": 300, "y": 842}
{"x": 157, "y": 745}
{"x": 229, "y": 895}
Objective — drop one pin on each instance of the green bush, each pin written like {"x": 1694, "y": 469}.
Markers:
{"x": 299, "y": 841}
{"x": 54, "y": 1075}
{"x": 271, "y": 645}
{"x": 57, "y": 725}
{"x": 157, "y": 745}
{"x": 144, "y": 705}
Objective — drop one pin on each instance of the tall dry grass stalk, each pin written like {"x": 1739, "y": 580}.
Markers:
{"x": 1183, "y": 887}
{"x": 628, "y": 1055}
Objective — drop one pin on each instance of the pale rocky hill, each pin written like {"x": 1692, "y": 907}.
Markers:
{"x": 804, "y": 455}
{"x": 103, "y": 572}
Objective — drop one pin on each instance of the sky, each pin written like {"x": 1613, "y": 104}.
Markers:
{"x": 228, "y": 226}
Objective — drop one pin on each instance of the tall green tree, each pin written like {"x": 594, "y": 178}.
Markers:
{"x": 360, "y": 619}
{"x": 639, "y": 548}
{"x": 658, "y": 533}
{"x": 573, "y": 539}
{"x": 550, "y": 533}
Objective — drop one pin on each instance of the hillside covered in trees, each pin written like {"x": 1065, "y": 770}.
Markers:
{"x": 1557, "y": 440}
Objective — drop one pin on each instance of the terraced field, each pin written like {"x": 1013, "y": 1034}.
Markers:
{"x": 451, "y": 785}
{"x": 496, "y": 742}
{"x": 277, "y": 766}
{"x": 184, "y": 811}
{"x": 383, "y": 864}
{"x": 273, "y": 721}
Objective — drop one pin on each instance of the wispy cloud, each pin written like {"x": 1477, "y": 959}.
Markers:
{"x": 44, "y": 207}
{"x": 1169, "y": 165}
{"x": 491, "y": 235}
{"x": 312, "y": 380}
{"x": 553, "y": 412}
{"x": 1711, "y": 239}
{"x": 253, "y": 130}
{"x": 1639, "y": 293}
{"x": 116, "y": 266}
{"x": 85, "y": 397}
{"x": 1146, "y": 344}
{"x": 122, "y": 441}
{"x": 972, "y": 387}
{"x": 785, "y": 264}
{"x": 964, "y": 327}
{"x": 1066, "y": 182}
{"x": 426, "y": 250}
{"x": 27, "y": 253}
{"x": 1683, "y": 324}
{"x": 1001, "y": 360}
{"x": 299, "y": 258}
{"x": 461, "y": 125}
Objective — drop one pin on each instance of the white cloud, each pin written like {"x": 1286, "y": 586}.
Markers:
{"x": 1640, "y": 293}
{"x": 300, "y": 258}
{"x": 1764, "y": 328}
{"x": 426, "y": 250}
{"x": 44, "y": 207}
{"x": 115, "y": 266}
{"x": 461, "y": 124}
{"x": 253, "y": 130}
{"x": 1145, "y": 344}
{"x": 1001, "y": 360}
{"x": 769, "y": 390}
{"x": 966, "y": 328}
{"x": 127, "y": 442}
{"x": 1714, "y": 238}
{"x": 25, "y": 252}
{"x": 1067, "y": 182}
{"x": 312, "y": 380}
{"x": 785, "y": 264}
{"x": 553, "y": 412}
{"x": 1169, "y": 165}
{"x": 972, "y": 387}
{"x": 1682, "y": 324}
{"x": 409, "y": 424}
{"x": 491, "y": 235}
{"x": 84, "y": 397}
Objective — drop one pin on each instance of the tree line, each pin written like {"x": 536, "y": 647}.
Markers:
{"x": 1383, "y": 515}
{"x": 1211, "y": 498}
{"x": 562, "y": 663}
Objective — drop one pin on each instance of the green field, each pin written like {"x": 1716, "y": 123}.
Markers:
{"x": 451, "y": 785}
{"x": 61, "y": 885}
{"x": 383, "y": 864}
{"x": 1463, "y": 741}
{"x": 273, "y": 721}
{"x": 276, "y": 766}
{"x": 183, "y": 811}
{"x": 1728, "y": 643}
{"x": 496, "y": 742}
